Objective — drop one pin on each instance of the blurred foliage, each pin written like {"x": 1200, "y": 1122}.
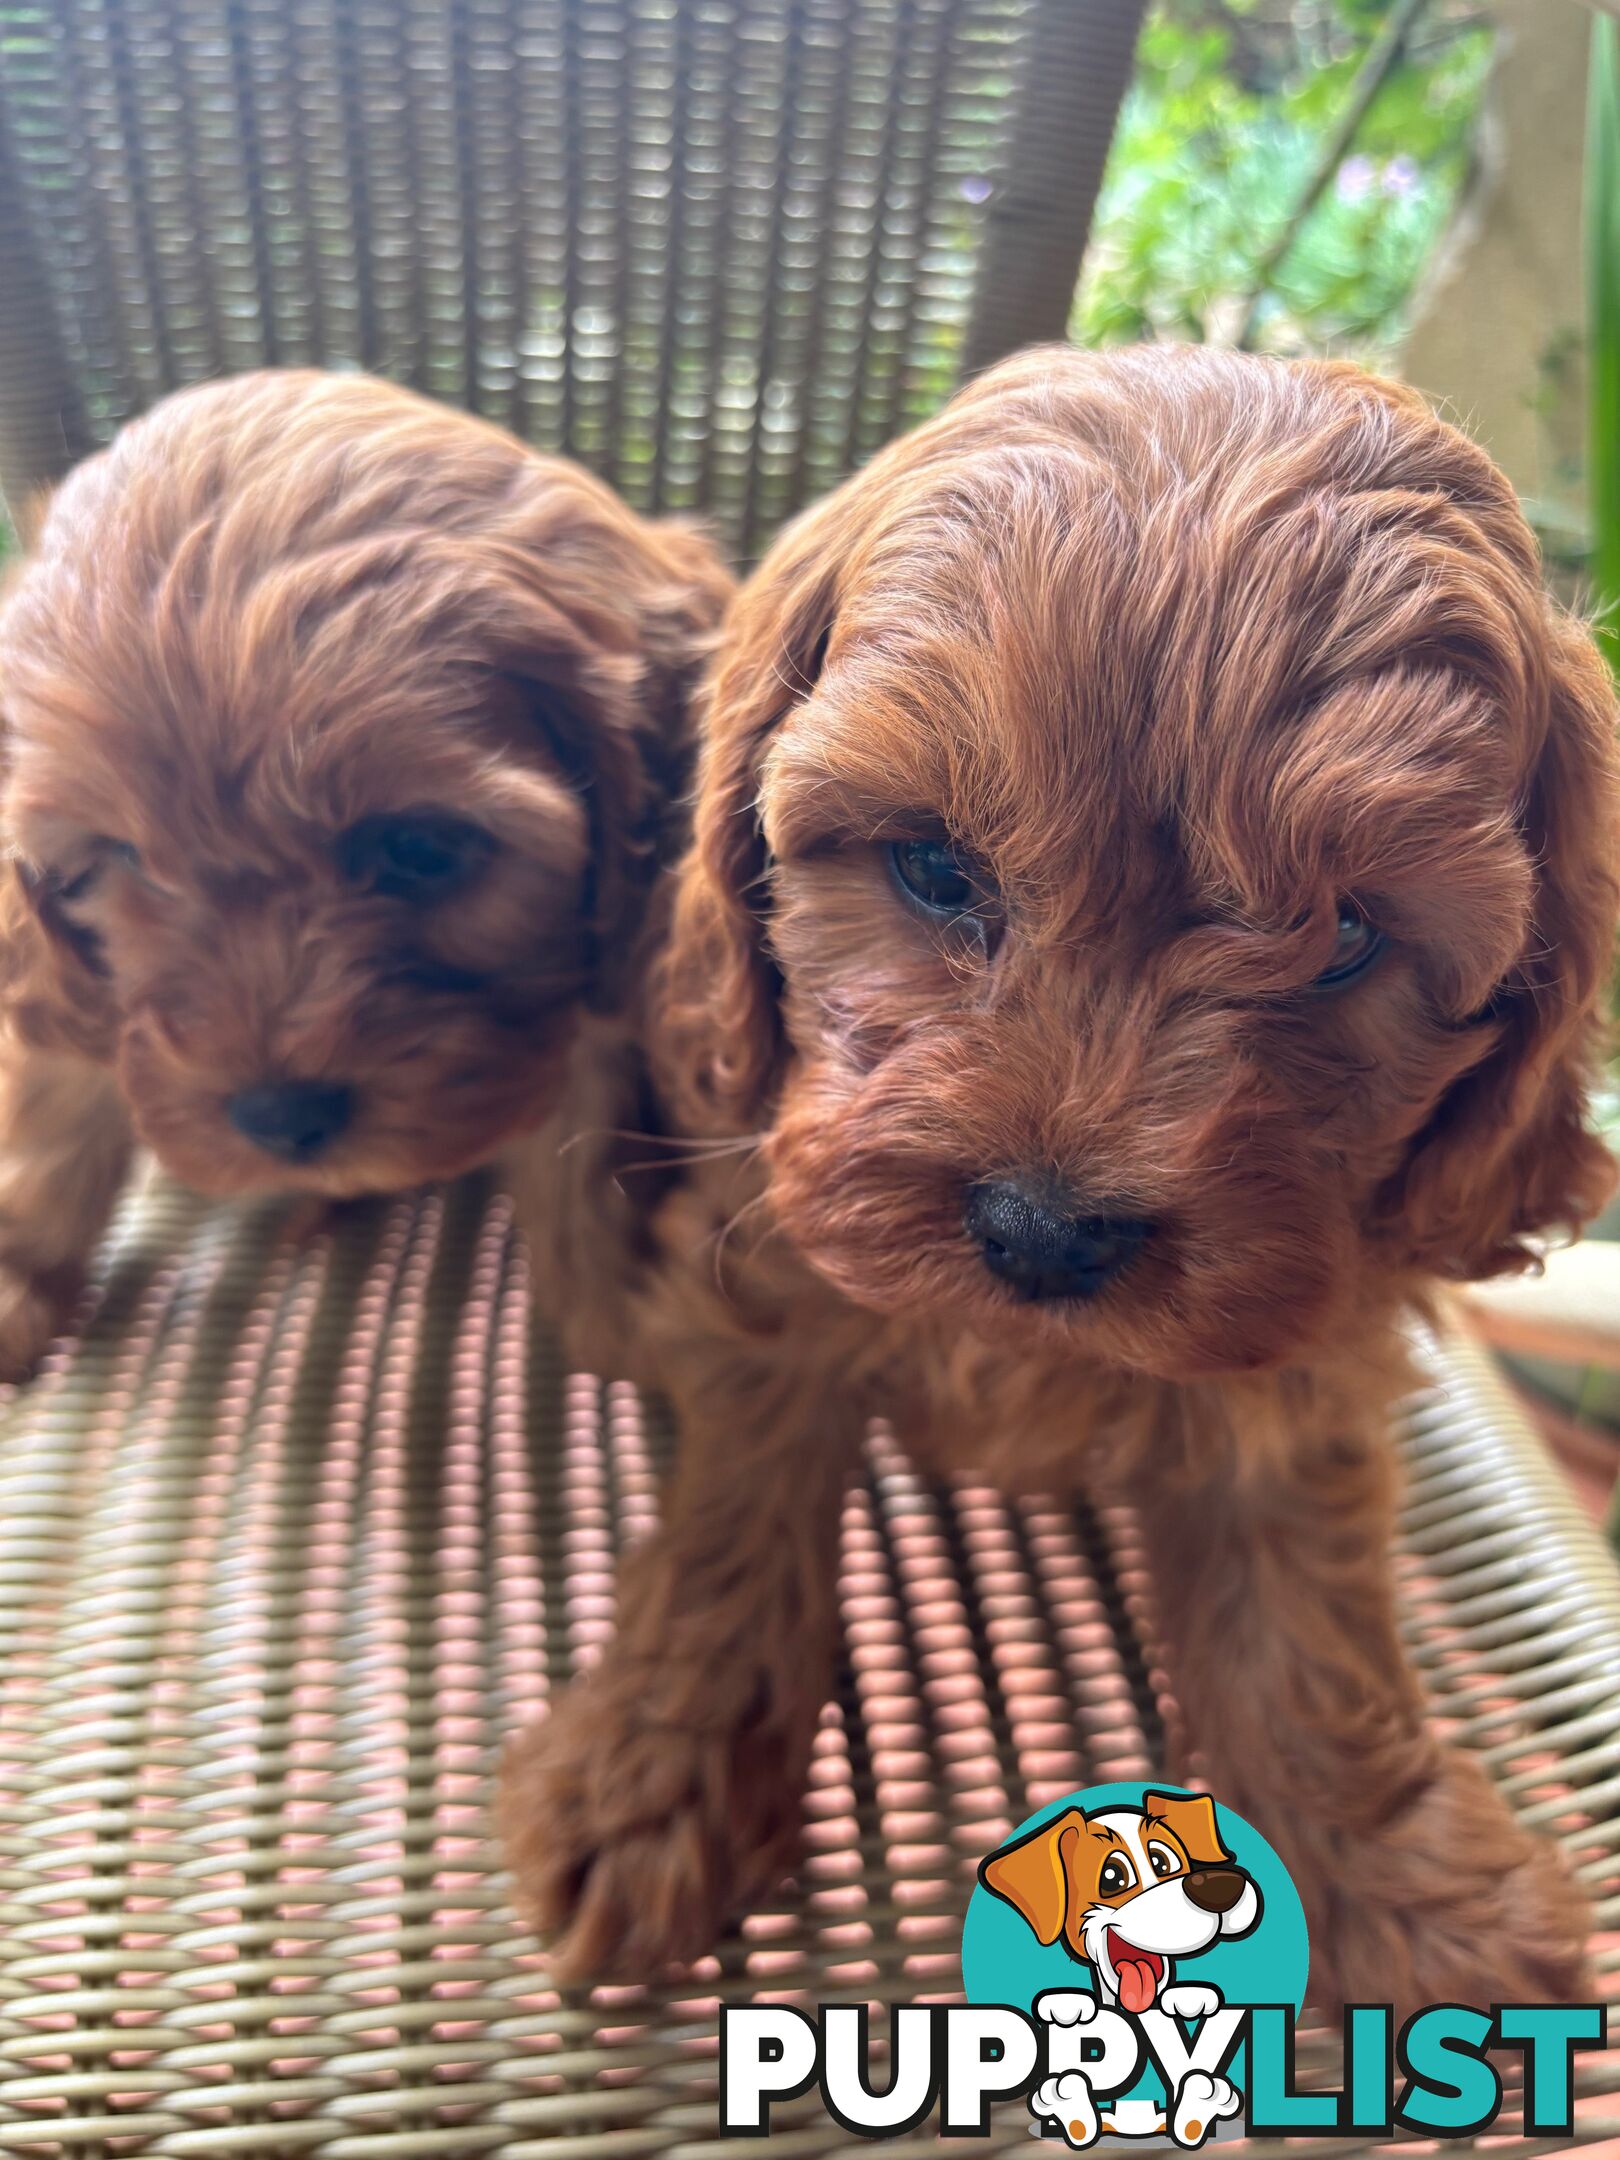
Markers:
{"x": 1603, "y": 329}
{"x": 1232, "y": 105}
{"x": 1602, "y": 237}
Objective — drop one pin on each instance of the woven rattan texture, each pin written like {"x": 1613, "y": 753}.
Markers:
{"x": 302, "y": 1524}
{"x": 720, "y": 249}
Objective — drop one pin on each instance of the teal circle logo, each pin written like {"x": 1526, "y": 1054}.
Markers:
{"x": 1144, "y": 1901}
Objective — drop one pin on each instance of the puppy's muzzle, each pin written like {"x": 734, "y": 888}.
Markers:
{"x": 1215, "y": 1889}
{"x": 293, "y": 1120}
{"x": 1030, "y": 1240}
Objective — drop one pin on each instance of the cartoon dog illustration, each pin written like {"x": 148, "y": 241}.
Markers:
{"x": 1128, "y": 1890}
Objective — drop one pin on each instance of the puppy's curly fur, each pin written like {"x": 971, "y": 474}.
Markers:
{"x": 1201, "y": 666}
{"x": 340, "y": 734}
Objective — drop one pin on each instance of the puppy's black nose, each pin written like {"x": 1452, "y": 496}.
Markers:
{"x": 292, "y": 1120}
{"x": 1216, "y": 1889}
{"x": 1030, "y": 1240}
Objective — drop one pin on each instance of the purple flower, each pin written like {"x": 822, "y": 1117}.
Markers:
{"x": 1357, "y": 176}
{"x": 1401, "y": 176}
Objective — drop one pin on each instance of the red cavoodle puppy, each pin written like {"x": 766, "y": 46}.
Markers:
{"x": 340, "y": 733}
{"x": 1154, "y": 880}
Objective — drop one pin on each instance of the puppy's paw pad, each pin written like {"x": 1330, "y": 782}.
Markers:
{"x": 1191, "y": 1999}
{"x": 1202, "y": 2101}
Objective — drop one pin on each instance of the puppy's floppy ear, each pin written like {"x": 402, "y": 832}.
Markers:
{"x": 606, "y": 621}
{"x": 52, "y": 986}
{"x": 1032, "y": 1874}
{"x": 1192, "y": 1817}
{"x": 1508, "y": 1155}
{"x": 719, "y": 1012}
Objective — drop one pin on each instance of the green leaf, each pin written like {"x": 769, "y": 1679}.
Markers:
{"x": 1218, "y": 135}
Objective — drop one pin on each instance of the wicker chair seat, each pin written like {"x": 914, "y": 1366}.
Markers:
{"x": 303, "y": 1523}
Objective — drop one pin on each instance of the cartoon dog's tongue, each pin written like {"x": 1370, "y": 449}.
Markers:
{"x": 1136, "y": 1972}
{"x": 1137, "y": 1984}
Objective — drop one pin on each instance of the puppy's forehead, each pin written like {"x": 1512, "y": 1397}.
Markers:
{"x": 1239, "y": 664}
{"x": 202, "y": 645}
{"x": 209, "y": 771}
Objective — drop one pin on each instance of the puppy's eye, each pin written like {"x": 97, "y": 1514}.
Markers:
{"x": 109, "y": 854}
{"x": 1356, "y": 947}
{"x": 1117, "y": 1876}
{"x": 1162, "y": 1860}
{"x": 421, "y": 856}
{"x": 935, "y": 875}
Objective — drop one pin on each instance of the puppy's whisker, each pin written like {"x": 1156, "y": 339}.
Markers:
{"x": 629, "y": 1169}
{"x": 697, "y": 1150}
{"x": 726, "y": 1230}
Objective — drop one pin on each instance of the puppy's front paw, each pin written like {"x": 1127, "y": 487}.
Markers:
{"x": 633, "y": 1833}
{"x": 1452, "y": 1902}
{"x": 34, "y": 1310}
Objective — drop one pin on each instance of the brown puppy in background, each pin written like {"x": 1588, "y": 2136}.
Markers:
{"x": 340, "y": 731}
{"x": 1154, "y": 878}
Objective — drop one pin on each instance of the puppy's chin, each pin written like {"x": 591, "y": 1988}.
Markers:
{"x": 1249, "y": 1269}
